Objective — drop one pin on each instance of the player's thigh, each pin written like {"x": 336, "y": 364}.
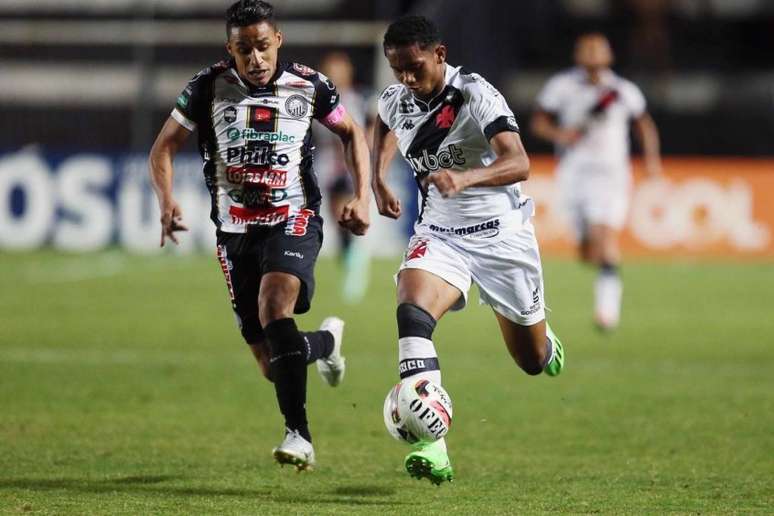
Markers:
{"x": 239, "y": 260}
{"x": 434, "y": 275}
{"x": 287, "y": 263}
{"x": 509, "y": 276}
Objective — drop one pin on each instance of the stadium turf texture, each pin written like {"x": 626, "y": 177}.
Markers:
{"x": 125, "y": 388}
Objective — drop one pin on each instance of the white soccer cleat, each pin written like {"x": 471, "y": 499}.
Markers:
{"x": 295, "y": 450}
{"x": 332, "y": 367}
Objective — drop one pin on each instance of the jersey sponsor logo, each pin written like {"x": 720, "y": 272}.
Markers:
{"x": 230, "y": 114}
{"x": 488, "y": 229}
{"x": 294, "y": 254}
{"x": 427, "y": 162}
{"x": 252, "y": 135}
{"x": 445, "y": 118}
{"x": 226, "y": 266}
{"x": 296, "y": 106}
{"x": 303, "y": 69}
{"x": 259, "y": 156}
{"x": 297, "y": 224}
{"x": 408, "y": 125}
{"x": 261, "y": 115}
{"x": 262, "y": 175}
{"x": 417, "y": 249}
{"x": 257, "y": 195}
{"x": 269, "y": 216}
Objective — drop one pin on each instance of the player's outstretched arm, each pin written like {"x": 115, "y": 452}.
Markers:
{"x": 169, "y": 141}
{"x": 385, "y": 145}
{"x": 511, "y": 166}
{"x": 354, "y": 216}
{"x": 543, "y": 126}
{"x": 647, "y": 134}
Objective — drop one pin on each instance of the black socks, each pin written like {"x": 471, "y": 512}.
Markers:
{"x": 319, "y": 344}
{"x": 288, "y": 362}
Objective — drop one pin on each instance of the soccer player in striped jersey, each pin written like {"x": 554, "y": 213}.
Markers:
{"x": 253, "y": 115}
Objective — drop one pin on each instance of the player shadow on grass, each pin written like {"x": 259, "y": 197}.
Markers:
{"x": 346, "y": 495}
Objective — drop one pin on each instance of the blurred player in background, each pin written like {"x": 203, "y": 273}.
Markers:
{"x": 585, "y": 112}
{"x": 336, "y": 180}
{"x": 462, "y": 140}
{"x": 253, "y": 115}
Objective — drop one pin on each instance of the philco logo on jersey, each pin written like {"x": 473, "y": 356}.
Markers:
{"x": 252, "y": 135}
{"x": 260, "y": 156}
{"x": 427, "y": 162}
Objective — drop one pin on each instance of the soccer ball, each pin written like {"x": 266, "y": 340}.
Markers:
{"x": 417, "y": 410}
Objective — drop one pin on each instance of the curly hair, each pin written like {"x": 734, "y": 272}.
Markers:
{"x": 411, "y": 30}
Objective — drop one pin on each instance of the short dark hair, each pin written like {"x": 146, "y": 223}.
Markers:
{"x": 249, "y": 12}
{"x": 411, "y": 30}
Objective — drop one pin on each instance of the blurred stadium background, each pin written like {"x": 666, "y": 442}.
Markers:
{"x": 86, "y": 84}
{"x": 123, "y": 387}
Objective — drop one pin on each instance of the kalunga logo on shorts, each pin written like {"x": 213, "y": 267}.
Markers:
{"x": 427, "y": 162}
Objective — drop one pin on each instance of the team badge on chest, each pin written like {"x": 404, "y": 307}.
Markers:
{"x": 296, "y": 106}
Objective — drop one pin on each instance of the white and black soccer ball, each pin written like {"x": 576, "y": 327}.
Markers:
{"x": 417, "y": 410}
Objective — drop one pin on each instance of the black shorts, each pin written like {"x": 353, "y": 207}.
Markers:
{"x": 246, "y": 257}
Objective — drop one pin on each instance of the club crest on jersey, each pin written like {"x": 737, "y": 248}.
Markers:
{"x": 417, "y": 250}
{"x": 445, "y": 118}
{"x": 303, "y": 69}
{"x": 427, "y": 162}
{"x": 296, "y": 106}
{"x": 230, "y": 114}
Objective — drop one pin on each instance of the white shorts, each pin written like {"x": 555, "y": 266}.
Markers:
{"x": 508, "y": 272}
{"x": 595, "y": 194}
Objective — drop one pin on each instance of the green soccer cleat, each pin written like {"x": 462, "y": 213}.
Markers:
{"x": 430, "y": 461}
{"x": 556, "y": 364}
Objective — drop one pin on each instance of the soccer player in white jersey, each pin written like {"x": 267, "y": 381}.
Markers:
{"x": 253, "y": 115}
{"x": 462, "y": 141}
{"x": 586, "y": 112}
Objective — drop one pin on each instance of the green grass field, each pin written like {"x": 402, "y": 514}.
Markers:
{"x": 125, "y": 388}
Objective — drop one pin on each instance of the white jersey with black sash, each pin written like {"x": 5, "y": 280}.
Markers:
{"x": 453, "y": 131}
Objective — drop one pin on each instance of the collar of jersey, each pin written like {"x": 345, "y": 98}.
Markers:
{"x": 435, "y": 101}
{"x": 604, "y": 78}
{"x": 259, "y": 90}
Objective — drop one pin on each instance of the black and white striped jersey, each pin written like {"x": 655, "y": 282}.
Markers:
{"x": 452, "y": 131}
{"x": 256, "y": 142}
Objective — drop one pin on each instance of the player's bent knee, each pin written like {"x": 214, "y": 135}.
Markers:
{"x": 414, "y": 321}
